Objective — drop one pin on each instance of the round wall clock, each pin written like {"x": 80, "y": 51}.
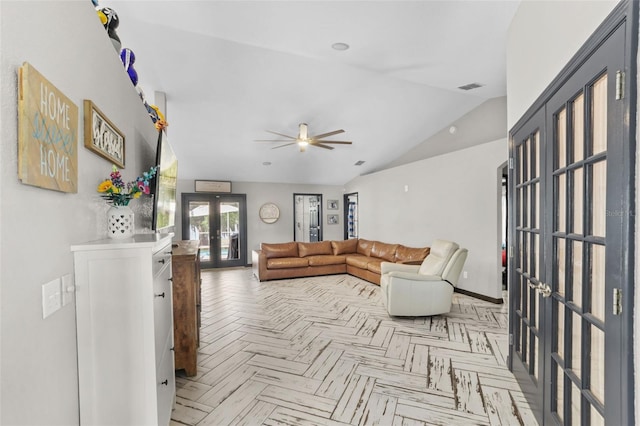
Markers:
{"x": 269, "y": 213}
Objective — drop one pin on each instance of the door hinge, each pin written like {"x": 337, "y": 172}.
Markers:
{"x": 511, "y": 163}
{"x": 511, "y": 252}
{"x": 619, "y": 85}
{"x": 617, "y": 301}
{"x": 511, "y": 338}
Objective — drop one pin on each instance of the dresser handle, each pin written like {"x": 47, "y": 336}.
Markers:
{"x": 161, "y": 261}
{"x": 173, "y": 348}
{"x": 160, "y": 295}
{"x": 166, "y": 382}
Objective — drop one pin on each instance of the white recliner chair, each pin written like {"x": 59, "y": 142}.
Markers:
{"x": 423, "y": 290}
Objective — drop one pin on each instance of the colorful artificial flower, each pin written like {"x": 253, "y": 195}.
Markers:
{"x": 116, "y": 192}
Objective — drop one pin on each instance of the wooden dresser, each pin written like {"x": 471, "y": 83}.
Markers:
{"x": 186, "y": 305}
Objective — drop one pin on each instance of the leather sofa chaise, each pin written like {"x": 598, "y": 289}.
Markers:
{"x": 359, "y": 257}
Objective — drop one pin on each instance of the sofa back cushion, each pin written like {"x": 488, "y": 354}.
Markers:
{"x": 364, "y": 247}
{"x": 273, "y": 250}
{"x": 384, "y": 251}
{"x": 313, "y": 249}
{"x": 406, "y": 254}
{"x": 439, "y": 256}
{"x": 344, "y": 247}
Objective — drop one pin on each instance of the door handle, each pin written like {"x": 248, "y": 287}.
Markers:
{"x": 545, "y": 290}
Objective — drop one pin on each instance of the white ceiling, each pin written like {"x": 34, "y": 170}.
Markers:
{"x": 233, "y": 69}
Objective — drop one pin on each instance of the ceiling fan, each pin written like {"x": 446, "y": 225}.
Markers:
{"x": 303, "y": 139}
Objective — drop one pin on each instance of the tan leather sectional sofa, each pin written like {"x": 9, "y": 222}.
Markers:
{"x": 358, "y": 257}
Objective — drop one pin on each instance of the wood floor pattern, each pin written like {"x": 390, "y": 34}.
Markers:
{"x": 323, "y": 351}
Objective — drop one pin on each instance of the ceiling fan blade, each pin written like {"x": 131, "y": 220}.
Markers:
{"x": 321, "y": 145}
{"x": 324, "y": 135}
{"x": 281, "y": 134}
{"x": 271, "y": 140}
{"x": 286, "y": 144}
{"x": 338, "y": 142}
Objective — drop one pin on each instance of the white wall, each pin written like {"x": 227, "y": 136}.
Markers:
{"x": 282, "y": 195}
{"x": 67, "y": 44}
{"x": 543, "y": 37}
{"x": 452, "y": 196}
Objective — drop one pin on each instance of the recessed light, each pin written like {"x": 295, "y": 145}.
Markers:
{"x": 359, "y": 163}
{"x": 340, "y": 46}
{"x": 453, "y": 129}
{"x": 266, "y": 163}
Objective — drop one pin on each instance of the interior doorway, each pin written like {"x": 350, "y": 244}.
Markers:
{"x": 351, "y": 215}
{"x": 307, "y": 217}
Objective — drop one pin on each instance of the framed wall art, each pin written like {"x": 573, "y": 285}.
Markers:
{"x": 212, "y": 186}
{"x": 47, "y": 133}
{"x": 332, "y": 219}
{"x": 102, "y": 136}
{"x": 332, "y": 204}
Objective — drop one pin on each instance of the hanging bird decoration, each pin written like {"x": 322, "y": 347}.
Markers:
{"x": 110, "y": 21}
{"x": 128, "y": 58}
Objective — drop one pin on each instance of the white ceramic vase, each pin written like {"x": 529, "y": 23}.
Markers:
{"x": 120, "y": 222}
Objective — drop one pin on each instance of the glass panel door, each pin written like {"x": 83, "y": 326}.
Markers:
{"x": 526, "y": 291}
{"x": 570, "y": 263}
{"x": 219, "y": 223}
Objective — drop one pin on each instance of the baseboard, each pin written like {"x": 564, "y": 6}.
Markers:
{"x": 479, "y": 296}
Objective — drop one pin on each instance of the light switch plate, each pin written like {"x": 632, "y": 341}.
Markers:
{"x": 68, "y": 289}
{"x": 51, "y": 297}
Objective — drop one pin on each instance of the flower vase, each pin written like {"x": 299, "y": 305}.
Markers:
{"x": 120, "y": 222}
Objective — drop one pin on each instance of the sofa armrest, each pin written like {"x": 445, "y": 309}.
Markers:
{"x": 259, "y": 264}
{"x": 386, "y": 267}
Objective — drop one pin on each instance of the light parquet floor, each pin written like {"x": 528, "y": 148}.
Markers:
{"x": 323, "y": 351}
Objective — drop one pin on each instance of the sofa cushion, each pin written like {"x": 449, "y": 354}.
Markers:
{"x": 312, "y": 249}
{"x": 374, "y": 265}
{"x": 357, "y": 260}
{"x": 272, "y": 250}
{"x": 287, "y": 262}
{"x": 441, "y": 252}
{"x": 344, "y": 247}
{"x": 406, "y": 254}
{"x": 323, "y": 260}
{"x": 384, "y": 251}
{"x": 364, "y": 247}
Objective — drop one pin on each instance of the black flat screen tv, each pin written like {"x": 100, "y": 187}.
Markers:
{"x": 166, "y": 182}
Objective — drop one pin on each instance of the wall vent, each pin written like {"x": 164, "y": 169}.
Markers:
{"x": 470, "y": 86}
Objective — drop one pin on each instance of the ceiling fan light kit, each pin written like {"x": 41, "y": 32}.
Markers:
{"x": 303, "y": 140}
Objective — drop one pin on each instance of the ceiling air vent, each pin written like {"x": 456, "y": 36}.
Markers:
{"x": 359, "y": 163}
{"x": 470, "y": 86}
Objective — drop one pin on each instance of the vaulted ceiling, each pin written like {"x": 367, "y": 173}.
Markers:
{"x": 231, "y": 70}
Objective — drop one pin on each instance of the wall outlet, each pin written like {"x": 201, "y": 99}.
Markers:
{"x": 51, "y": 297}
{"x": 465, "y": 275}
{"x": 68, "y": 289}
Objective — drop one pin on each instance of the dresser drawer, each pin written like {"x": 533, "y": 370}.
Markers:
{"x": 166, "y": 387}
{"x": 161, "y": 260}
{"x": 162, "y": 313}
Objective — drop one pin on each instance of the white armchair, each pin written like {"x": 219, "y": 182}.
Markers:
{"x": 423, "y": 290}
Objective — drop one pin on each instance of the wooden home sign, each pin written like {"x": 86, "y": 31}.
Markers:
{"x": 47, "y": 134}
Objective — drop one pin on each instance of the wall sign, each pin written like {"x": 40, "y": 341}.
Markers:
{"x": 101, "y": 136}
{"x": 213, "y": 186}
{"x": 47, "y": 133}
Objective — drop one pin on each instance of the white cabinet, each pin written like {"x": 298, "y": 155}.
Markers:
{"x": 124, "y": 320}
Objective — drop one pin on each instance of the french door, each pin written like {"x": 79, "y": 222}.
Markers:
{"x": 571, "y": 263}
{"x": 219, "y": 222}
